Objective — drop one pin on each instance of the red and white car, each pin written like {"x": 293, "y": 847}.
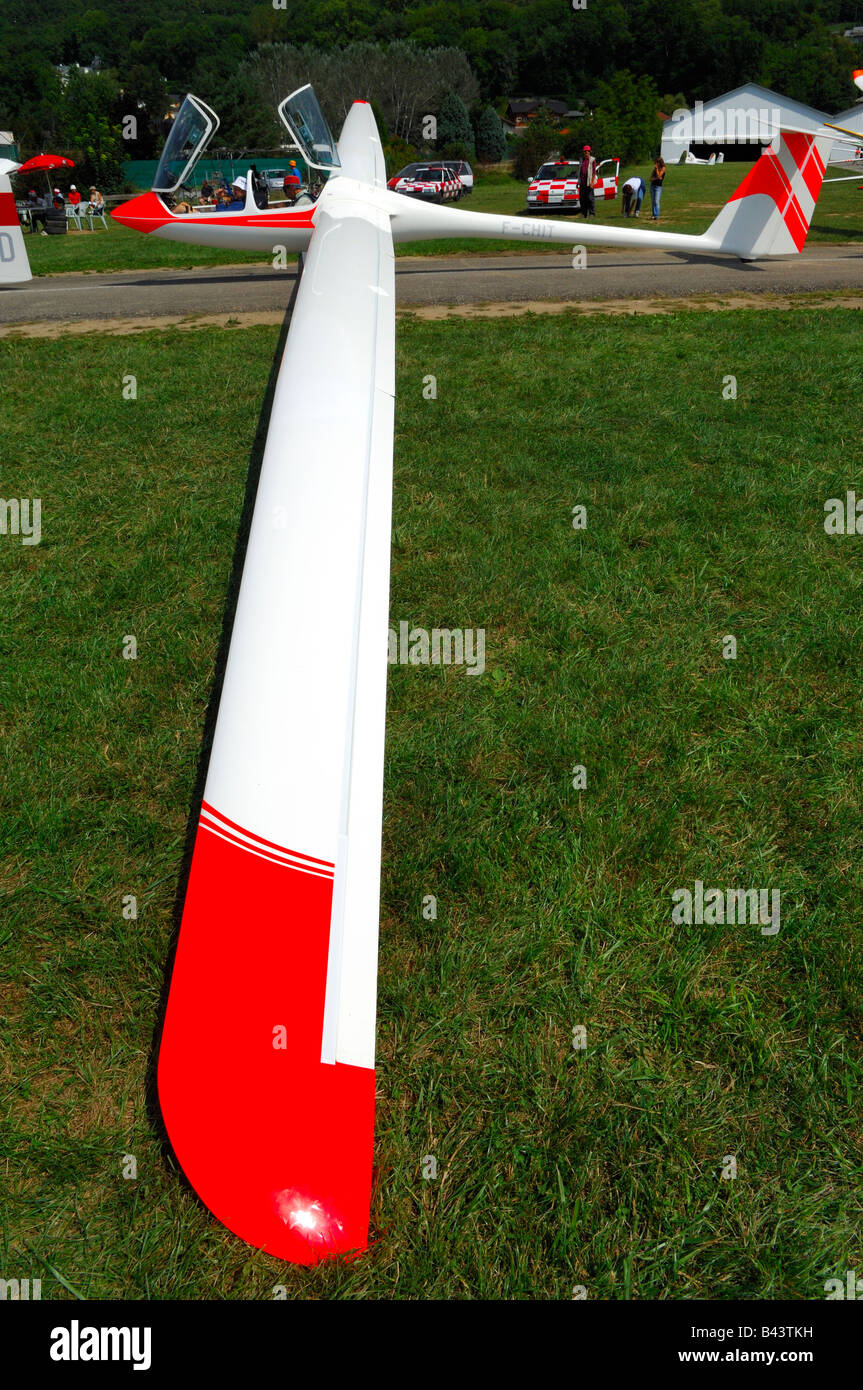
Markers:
{"x": 434, "y": 183}
{"x": 557, "y": 183}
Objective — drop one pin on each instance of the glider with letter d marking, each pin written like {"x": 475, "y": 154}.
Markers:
{"x": 14, "y": 261}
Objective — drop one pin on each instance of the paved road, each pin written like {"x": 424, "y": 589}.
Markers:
{"x": 437, "y": 280}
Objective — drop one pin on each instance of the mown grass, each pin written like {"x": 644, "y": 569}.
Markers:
{"x": 691, "y": 198}
{"x": 604, "y": 648}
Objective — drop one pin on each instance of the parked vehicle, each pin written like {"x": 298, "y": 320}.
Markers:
{"x": 464, "y": 171}
{"x": 434, "y": 183}
{"x": 557, "y": 184}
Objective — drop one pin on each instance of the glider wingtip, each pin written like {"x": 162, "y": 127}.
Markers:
{"x": 299, "y": 1193}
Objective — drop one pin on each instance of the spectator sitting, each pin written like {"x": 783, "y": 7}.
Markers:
{"x": 74, "y": 196}
{"x": 207, "y": 191}
{"x": 59, "y": 200}
{"x": 36, "y": 207}
{"x": 234, "y": 201}
{"x": 96, "y": 203}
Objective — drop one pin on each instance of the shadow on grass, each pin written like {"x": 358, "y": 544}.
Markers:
{"x": 835, "y": 236}
{"x": 256, "y": 459}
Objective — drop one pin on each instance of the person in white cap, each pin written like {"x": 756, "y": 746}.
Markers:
{"x": 74, "y": 196}
{"x": 58, "y": 199}
{"x": 234, "y": 201}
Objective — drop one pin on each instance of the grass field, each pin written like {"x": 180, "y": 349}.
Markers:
{"x": 692, "y": 197}
{"x": 557, "y": 1167}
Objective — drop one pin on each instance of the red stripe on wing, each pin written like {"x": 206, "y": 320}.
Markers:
{"x": 277, "y": 1144}
{"x": 259, "y": 839}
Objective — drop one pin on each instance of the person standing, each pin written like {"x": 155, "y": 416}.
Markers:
{"x": 656, "y": 180}
{"x": 586, "y": 180}
{"x": 633, "y": 194}
{"x": 291, "y": 183}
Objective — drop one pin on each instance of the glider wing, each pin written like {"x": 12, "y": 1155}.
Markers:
{"x": 266, "y": 1068}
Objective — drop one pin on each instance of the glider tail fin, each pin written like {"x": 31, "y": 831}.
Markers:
{"x": 14, "y": 264}
{"x": 769, "y": 214}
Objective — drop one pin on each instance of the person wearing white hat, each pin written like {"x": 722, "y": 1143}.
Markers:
{"x": 74, "y": 195}
{"x": 58, "y": 199}
{"x": 234, "y": 201}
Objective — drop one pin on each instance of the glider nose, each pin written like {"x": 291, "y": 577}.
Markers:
{"x": 144, "y": 213}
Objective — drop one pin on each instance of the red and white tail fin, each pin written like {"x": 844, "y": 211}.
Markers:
{"x": 770, "y": 213}
{"x": 14, "y": 265}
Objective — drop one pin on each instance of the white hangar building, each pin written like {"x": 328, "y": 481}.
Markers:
{"x": 739, "y": 124}
{"x": 853, "y": 120}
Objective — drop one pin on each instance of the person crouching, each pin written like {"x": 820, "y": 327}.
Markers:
{"x": 633, "y": 194}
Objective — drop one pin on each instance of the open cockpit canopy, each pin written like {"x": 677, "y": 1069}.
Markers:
{"x": 306, "y": 124}
{"x": 193, "y": 128}
{"x": 196, "y": 123}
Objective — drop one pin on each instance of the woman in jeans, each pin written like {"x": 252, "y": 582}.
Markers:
{"x": 656, "y": 179}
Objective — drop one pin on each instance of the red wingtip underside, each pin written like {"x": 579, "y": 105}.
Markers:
{"x": 276, "y": 1143}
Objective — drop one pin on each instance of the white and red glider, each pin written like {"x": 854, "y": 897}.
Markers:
{"x": 14, "y": 262}
{"x": 266, "y": 1069}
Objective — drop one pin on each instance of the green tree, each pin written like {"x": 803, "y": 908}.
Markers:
{"x": 91, "y": 131}
{"x": 627, "y": 110}
{"x": 245, "y": 122}
{"x": 535, "y": 145}
{"x": 453, "y": 127}
{"x": 144, "y": 95}
{"x": 595, "y": 131}
{"x": 490, "y": 137}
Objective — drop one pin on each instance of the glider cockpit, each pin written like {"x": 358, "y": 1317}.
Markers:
{"x": 191, "y": 134}
{"x": 207, "y": 201}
